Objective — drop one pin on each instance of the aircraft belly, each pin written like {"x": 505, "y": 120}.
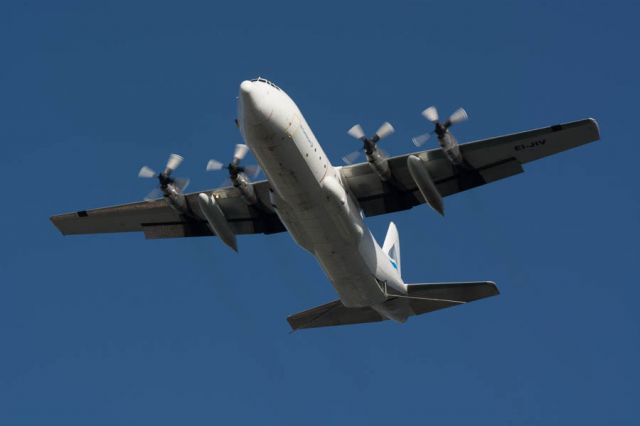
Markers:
{"x": 350, "y": 275}
{"x": 339, "y": 254}
{"x": 321, "y": 231}
{"x": 291, "y": 158}
{"x": 315, "y": 209}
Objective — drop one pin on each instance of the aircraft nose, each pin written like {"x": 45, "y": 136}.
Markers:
{"x": 255, "y": 104}
{"x": 245, "y": 88}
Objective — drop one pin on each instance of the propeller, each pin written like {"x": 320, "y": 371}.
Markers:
{"x": 234, "y": 166}
{"x": 369, "y": 144}
{"x": 440, "y": 129}
{"x": 168, "y": 184}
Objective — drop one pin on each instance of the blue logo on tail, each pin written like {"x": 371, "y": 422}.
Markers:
{"x": 394, "y": 264}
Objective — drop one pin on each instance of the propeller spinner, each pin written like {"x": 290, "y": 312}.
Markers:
{"x": 169, "y": 186}
{"x": 376, "y": 157}
{"x": 447, "y": 141}
{"x": 369, "y": 144}
{"x": 239, "y": 175}
{"x": 234, "y": 166}
{"x": 440, "y": 129}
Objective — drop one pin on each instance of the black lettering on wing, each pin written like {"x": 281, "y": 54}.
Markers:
{"x": 530, "y": 145}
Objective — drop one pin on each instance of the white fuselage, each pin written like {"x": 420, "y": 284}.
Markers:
{"x": 310, "y": 198}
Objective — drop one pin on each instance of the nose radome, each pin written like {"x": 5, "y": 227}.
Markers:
{"x": 256, "y": 105}
{"x": 245, "y": 88}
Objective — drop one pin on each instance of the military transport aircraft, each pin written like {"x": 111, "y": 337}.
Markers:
{"x": 323, "y": 206}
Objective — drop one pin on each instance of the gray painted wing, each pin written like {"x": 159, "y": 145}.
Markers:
{"x": 157, "y": 219}
{"x": 490, "y": 159}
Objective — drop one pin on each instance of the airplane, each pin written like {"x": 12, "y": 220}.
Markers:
{"x": 323, "y": 207}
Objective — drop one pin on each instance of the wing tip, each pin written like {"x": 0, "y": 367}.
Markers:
{"x": 55, "y": 220}
{"x": 494, "y": 288}
{"x": 292, "y": 323}
{"x": 60, "y": 220}
{"x": 596, "y": 127}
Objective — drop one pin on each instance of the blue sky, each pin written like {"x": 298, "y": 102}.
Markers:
{"x": 113, "y": 329}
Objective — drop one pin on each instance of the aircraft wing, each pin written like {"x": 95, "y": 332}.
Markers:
{"x": 492, "y": 159}
{"x": 157, "y": 219}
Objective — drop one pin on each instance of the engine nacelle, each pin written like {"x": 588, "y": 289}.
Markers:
{"x": 242, "y": 182}
{"x": 447, "y": 142}
{"x": 451, "y": 149}
{"x": 379, "y": 164}
{"x": 175, "y": 198}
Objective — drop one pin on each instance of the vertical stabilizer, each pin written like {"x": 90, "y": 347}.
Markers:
{"x": 391, "y": 246}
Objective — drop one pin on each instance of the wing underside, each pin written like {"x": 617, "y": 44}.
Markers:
{"x": 490, "y": 160}
{"x": 158, "y": 219}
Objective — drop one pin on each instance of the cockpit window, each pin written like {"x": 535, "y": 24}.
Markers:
{"x": 263, "y": 80}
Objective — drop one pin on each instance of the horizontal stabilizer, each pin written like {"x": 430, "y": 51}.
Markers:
{"x": 425, "y": 298}
{"x": 333, "y": 313}
{"x": 420, "y": 299}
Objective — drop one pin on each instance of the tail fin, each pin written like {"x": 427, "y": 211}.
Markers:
{"x": 391, "y": 246}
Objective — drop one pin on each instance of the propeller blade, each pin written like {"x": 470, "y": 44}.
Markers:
{"x": 352, "y": 157}
{"x": 240, "y": 152}
{"x": 431, "y": 114}
{"x": 356, "y": 132}
{"x": 421, "y": 139}
{"x": 385, "y": 130}
{"x": 214, "y": 165}
{"x": 181, "y": 183}
{"x": 458, "y": 115}
{"x": 253, "y": 170}
{"x": 174, "y": 161}
{"x": 146, "y": 172}
{"x": 155, "y": 194}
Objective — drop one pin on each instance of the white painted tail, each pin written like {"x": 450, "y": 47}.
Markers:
{"x": 391, "y": 246}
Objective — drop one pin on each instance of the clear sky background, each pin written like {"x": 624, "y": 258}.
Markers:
{"x": 116, "y": 330}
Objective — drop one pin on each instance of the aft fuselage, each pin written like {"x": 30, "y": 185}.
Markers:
{"x": 310, "y": 197}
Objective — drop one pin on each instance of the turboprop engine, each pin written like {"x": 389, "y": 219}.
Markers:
{"x": 170, "y": 188}
{"x": 447, "y": 141}
{"x": 239, "y": 175}
{"x": 375, "y": 156}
